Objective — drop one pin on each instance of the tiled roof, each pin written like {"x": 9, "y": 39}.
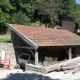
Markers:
{"x": 48, "y": 36}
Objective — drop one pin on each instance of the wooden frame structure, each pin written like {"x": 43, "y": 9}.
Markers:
{"x": 23, "y": 42}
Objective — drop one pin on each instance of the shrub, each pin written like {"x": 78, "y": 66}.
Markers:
{"x": 20, "y": 18}
{"x": 50, "y": 59}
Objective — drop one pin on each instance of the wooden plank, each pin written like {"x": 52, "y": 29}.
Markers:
{"x": 64, "y": 65}
{"x": 70, "y": 53}
{"x": 24, "y": 47}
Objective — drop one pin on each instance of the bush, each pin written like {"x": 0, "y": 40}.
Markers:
{"x": 50, "y": 59}
{"x": 20, "y": 18}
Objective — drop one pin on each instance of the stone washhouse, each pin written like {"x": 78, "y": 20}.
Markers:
{"x": 39, "y": 42}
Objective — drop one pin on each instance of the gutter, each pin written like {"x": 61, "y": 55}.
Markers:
{"x": 27, "y": 40}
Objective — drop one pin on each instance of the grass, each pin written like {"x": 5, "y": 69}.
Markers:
{"x": 5, "y": 38}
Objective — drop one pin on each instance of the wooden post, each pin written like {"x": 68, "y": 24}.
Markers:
{"x": 70, "y": 53}
{"x": 36, "y": 58}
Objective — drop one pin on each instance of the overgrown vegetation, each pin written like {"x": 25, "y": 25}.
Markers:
{"x": 26, "y": 12}
{"x": 49, "y": 60}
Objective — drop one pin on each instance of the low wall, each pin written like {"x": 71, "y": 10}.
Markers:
{"x": 41, "y": 69}
{"x": 31, "y": 67}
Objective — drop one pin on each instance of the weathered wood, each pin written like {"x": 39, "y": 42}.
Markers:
{"x": 68, "y": 67}
{"x": 76, "y": 70}
{"x": 71, "y": 64}
{"x": 24, "y": 47}
{"x": 36, "y": 58}
{"x": 70, "y": 53}
{"x": 64, "y": 65}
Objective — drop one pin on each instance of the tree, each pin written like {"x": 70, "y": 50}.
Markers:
{"x": 66, "y": 7}
{"x": 5, "y": 8}
{"x": 20, "y": 18}
{"x": 76, "y": 14}
{"x": 47, "y": 11}
{"x": 24, "y": 6}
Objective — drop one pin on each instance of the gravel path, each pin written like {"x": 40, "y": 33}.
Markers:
{"x": 20, "y": 75}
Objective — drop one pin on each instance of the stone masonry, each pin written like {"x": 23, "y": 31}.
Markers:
{"x": 10, "y": 54}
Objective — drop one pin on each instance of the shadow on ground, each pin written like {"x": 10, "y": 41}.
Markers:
{"x": 28, "y": 76}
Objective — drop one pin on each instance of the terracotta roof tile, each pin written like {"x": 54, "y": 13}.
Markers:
{"x": 48, "y": 36}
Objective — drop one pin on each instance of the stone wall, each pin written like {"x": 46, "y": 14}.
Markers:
{"x": 10, "y": 54}
{"x": 31, "y": 67}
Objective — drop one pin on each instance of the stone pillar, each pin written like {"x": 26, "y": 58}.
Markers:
{"x": 70, "y": 53}
{"x": 36, "y": 58}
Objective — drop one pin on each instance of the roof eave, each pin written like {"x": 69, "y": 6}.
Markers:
{"x": 27, "y": 40}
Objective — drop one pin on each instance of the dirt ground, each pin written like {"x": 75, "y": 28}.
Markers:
{"x": 5, "y": 36}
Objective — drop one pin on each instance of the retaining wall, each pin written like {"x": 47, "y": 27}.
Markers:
{"x": 10, "y": 54}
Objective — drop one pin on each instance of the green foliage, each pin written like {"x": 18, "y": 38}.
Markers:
{"x": 4, "y": 17}
{"x": 50, "y": 59}
{"x": 77, "y": 7}
{"x": 47, "y": 10}
{"x": 25, "y": 6}
{"x": 26, "y": 11}
{"x": 66, "y": 7}
{"x": 20, "y": 18}
{"x": 76, "y": 16}
{"x": 5, "y": 8}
